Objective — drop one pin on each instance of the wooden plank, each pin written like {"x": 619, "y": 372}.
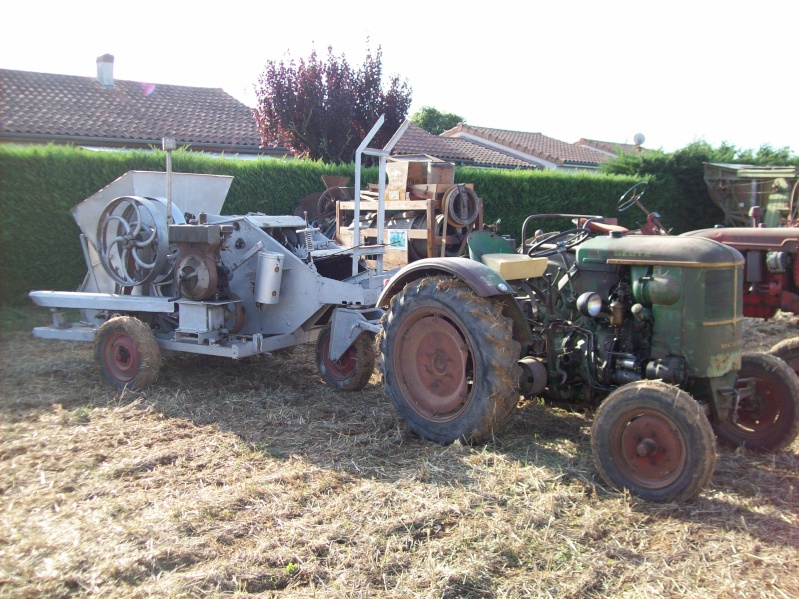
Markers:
{"x": 368, "y": 206}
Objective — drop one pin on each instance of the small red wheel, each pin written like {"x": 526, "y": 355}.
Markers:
{"x": 127, "y": 352}
{"x": 653, "y": 440}
{"x": 352, "y": 371}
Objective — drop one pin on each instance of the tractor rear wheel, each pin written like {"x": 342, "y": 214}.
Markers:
{"x": 127, "y": 352}
{"x": 767, "y": 418}
{"x": 449, "y": 361}
{"x": 788, "y": 352}
{"x": 352, "y": 371}
{"x": 654, "y": 440}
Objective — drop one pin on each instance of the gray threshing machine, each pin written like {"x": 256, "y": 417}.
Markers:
{"x": 166, "y": 271}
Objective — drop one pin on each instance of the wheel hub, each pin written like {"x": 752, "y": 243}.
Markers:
{"x": 439, "y": 363}
{"x": 122, "y": 356}
{"x": 433, "y": 363}
{"x": 342, "y": 368}
{"x": 646, "y": 448}
{"x": 651, "y": 451}
{"x": 124, "y": 362}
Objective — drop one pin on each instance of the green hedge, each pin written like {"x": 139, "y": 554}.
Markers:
{"x": 514, "y": 195}
{"x": 39, "y": 240}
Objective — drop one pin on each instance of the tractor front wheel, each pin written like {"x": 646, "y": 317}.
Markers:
{"x": 352, "y": 371}
{"x": 449, "y": 361}
{"x": 654, "y": 440}
{"x": 127, "y": 352}
{"x": 767, "y": 418}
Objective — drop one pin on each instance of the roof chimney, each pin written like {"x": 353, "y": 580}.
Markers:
{"x": 105, "y": 70}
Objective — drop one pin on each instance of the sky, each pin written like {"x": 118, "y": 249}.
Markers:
{"x": 676, "y": 72}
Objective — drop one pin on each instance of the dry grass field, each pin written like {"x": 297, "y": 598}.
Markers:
{"x": 253, "y": 478}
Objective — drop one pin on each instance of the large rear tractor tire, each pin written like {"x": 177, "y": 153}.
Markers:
{"x": 653, "y": 440}
{"x": 767, "y": 418}
{"x": 449, "y": 361}
{"x": 353, "y": 370}
{"x": 127, "y": 352}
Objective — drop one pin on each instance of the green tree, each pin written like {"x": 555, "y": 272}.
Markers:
{"x": 323, "y": 109}
{"x": 434, "y": 121}
{"x": 768, "y": 156}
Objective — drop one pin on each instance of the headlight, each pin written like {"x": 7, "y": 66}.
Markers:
{"x": 589, "y": 304}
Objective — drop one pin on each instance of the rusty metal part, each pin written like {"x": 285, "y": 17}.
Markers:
{"x": 326, "y": 204}
{"x": 651, "y": 451}
{"x": 462, "y": 206}
{"x": 435, "y": 366}
{"x": 353, "y": 369}
{"x": 236, "y": 314}
{"x": 759, "y": 407}
{"x": 195, "y": 274}
{"x": 308, "y": 205}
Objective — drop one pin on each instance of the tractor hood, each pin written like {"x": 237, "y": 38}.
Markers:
{"x": 657, "y": 250}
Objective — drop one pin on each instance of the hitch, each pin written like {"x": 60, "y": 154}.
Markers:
{"x": 347, "y": 324}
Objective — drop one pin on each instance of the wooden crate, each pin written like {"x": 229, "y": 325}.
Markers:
{"x": 404, "y": 173}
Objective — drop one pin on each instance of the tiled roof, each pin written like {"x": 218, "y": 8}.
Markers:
{"x": 417, "y": 141}
{"x": 482, "y": 155}
{"x": 610, "y": 147}
{"x": 533, "y": 144}
{"x": 66, "y": 107}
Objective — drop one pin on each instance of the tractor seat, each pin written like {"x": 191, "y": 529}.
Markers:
{"x": 496, "y": 253}
{"x": 487, "y": 242}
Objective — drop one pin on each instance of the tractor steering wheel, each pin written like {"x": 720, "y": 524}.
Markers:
{"x": 632, "y": 195}
{"x": 562, "y": 240}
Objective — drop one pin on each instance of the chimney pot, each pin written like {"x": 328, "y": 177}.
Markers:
{"x": 105, "y": 70}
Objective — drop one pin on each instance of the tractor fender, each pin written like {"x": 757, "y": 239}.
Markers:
{"x": 481, "y": 279}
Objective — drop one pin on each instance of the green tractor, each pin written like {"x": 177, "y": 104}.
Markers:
{"x": 647, "y": 329}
